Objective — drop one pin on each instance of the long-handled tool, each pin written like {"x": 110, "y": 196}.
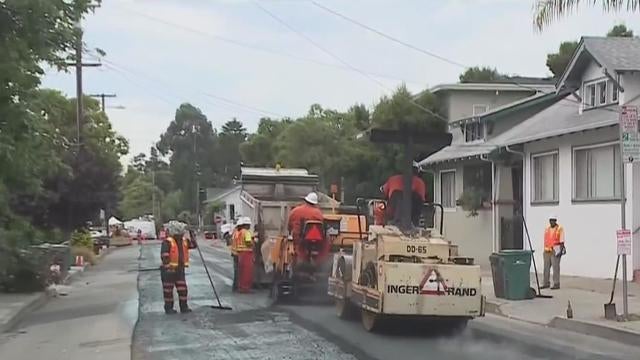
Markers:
{"x": 533, "y": 260}
{"x": 610, "y": 312}
{"x": 219, "y": 306}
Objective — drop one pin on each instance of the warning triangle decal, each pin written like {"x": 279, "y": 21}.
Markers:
{"x": 432, "y": 284}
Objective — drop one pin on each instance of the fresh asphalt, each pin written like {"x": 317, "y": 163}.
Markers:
{"x": 256, "y": 329}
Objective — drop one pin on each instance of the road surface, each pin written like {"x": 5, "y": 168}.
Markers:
{"x": 257, "y": 330}
{"x": 97, "y": 320}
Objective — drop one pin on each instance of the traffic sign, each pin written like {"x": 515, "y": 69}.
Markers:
{"x": 629, "y": 134}
{"x": 624, "y": 241}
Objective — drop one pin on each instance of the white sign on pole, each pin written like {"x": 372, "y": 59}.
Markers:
{"x": 624, "y": 241}
{"x": 630, "y": 137}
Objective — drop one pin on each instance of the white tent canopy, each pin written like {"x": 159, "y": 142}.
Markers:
{"x": 114, "y": 221}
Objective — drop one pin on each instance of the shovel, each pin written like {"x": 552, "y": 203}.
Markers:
{"x": 610, "y": 312}
{"x": 533, "y": 260}
{"x": 219, "y": 306}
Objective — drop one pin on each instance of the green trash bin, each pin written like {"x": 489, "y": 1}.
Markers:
{"x": 516, "y": 265}
{"x": 497, "y": 274}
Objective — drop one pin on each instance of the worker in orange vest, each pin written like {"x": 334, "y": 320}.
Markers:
{"x": 393, "y": 189}
{"x": 243, "y": 246}
{"x": 303, "y": 213}
{"x": 554, "y": 249}
{"x": 174, "y": 253}
{"x": 379, "y": 209}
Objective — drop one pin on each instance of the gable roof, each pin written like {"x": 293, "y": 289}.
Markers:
{"x": 613, "y": 54}
{"x": 561, "y": 118}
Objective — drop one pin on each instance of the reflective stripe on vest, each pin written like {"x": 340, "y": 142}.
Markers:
{"x": 552, "y": 237}
{"x": 243, "y": 240}
{"x": 174, "y": 255}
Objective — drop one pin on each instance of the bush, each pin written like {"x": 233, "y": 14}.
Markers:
{"x": 19, "y": 273}
{"x": 81, "y": 238}
{"x": 88, "y": 254}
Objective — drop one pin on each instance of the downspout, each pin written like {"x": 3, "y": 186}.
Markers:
{"x": 525, "y": 195}
{"x": 484, "y": 157}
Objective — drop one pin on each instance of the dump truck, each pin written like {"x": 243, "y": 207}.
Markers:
{"x": 400, "y": 270}
{"x": 267, "y": 196}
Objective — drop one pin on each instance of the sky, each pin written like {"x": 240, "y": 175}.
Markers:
{"x": 236, "y": 58}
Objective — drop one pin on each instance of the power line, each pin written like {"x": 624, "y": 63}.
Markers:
{"x": 234, "y": 103}
{"x": 323, "y": 49}
{"x": 406, "y": 44}
{"x": 256, "y": 48}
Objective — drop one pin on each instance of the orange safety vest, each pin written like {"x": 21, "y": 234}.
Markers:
{"x": 242, "y": 241}
{"x": 174, "y": 256}
{"x": 553, "y": 236}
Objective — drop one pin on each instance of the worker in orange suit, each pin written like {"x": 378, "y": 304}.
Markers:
{"x": 243, "y": 245}
{"x": 303, "y": 213}
{"x": 379, "y": 209}
{"x": 174, "y": 253}
{"x": 393, "y": 189}
{"x": 554, "y": 249}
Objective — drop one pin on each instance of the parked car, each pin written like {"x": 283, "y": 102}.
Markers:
{"x": 100, "y": 239}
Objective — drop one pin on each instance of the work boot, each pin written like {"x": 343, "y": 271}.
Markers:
{"x": 184, "y": 309}
{"x": 170, "y": 311}
{"x": 555, "y": 287}
{"x": 544, "y": 286}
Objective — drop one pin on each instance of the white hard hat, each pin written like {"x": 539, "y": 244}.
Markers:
{"x": 553, "y": 217}
{"x": 311, "y": 198}
{"x": 244, "y": 220}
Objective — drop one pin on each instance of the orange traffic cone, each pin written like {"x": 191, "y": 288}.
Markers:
{"x": 79, "y": 260}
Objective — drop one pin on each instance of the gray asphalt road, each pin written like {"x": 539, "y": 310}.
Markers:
{"x": 256, "y": 330}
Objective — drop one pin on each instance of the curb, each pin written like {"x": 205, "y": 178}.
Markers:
{"x": 33, "y": 305}
{"x": 577, "y": 326}
{"x": 588, "y": 328}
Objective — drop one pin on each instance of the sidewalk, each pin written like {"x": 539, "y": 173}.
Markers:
{"x": 13, "y": 307}
{"x": 587, "y": 297}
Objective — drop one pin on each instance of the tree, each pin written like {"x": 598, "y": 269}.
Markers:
{"x": 232, "y": 135}
{"x": 137, "y": 198}
{"x": 191, "y": 144}
{"x": 547, "y": 11}
{"x": 477, "y": 74}
{"x": 259, "y": 149}
{"x": 620, "y": 30}
{"x": 557, "y": 62}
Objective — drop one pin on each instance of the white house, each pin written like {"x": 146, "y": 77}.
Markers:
{"x": 230, "y": 197}
{"x": 570, "y": 155}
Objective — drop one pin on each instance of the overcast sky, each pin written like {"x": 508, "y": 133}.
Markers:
{"x": 232, "y": 59}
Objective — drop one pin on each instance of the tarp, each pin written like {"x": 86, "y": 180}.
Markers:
{"x": 114, "y": 221}
{"x": 148, "y": 228}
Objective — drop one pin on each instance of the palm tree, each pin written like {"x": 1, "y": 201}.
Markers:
{"x": 546, "y": 11}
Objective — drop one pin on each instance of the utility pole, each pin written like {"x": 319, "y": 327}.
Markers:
{"x": 197, "y": 171}
{"x": 79, "y": 65}
{"x": 102, "y": 97}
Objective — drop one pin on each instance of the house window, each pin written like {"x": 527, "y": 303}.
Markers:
{"x": 544, "y": 177}
{"x": 590, "y": 95}
{"x": 448, "y": 189}
{"x": 480, "y": 109}
{"x": 596, "y": 172}
{"x": 473, "y": 131}
{"x": 602, "y": 93}
{"x": 614, "y": 93}
{"x": 477, "y": 178}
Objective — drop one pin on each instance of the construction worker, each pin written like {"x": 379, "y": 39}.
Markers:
{"x": 243, "y": 243}
{"x": 234, "y": 253}
{"x": 300, "y": 214}
{"x": 392, "y": 191}
{"x": 174, "y": 253}
{"x": 553, "y": 250}
{"x": 379, "y": 209}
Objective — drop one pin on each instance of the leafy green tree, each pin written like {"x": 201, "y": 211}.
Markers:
{"x": 480, "y": 74}
{"x": 191, "y": 142}
{"x": 620, "y": 30}
{"x": 547, "y": 11}
{"x": 259, "y": 148}
{"x": 137, "y": 198}
{"x": 232, "y": 135}
{"x": 557, "y": 62}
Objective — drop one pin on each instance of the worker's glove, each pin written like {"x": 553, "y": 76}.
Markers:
{"x": 289, "y": 237}
{"x": 563, "y": 249}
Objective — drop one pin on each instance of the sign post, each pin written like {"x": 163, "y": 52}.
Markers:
{"x": 629, "y": 152}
